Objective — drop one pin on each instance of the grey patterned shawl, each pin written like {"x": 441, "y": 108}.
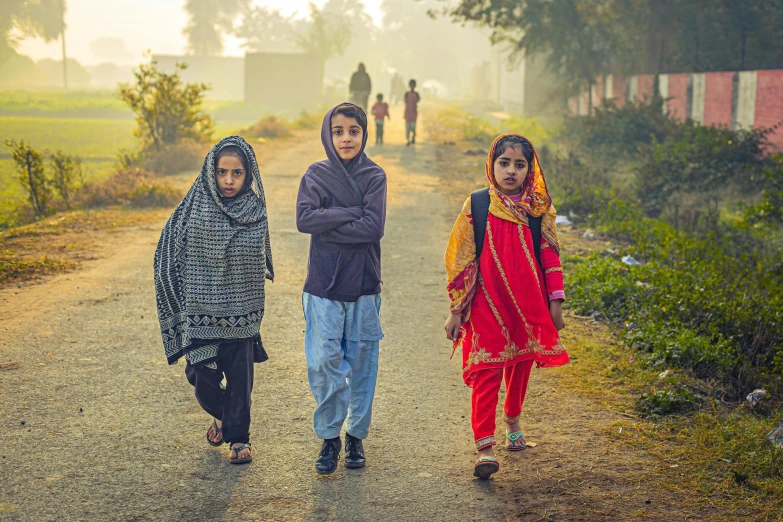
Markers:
{"x": 211, "y": 264}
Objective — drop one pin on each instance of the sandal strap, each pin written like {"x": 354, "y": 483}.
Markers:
{"x": 487, "y": 459}
{"x": 215, "y": 427}
{"x": 237, "y": 449}
{"x": 513, "y": 437}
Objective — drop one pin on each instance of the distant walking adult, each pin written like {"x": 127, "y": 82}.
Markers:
{"x": 360, "y": 87}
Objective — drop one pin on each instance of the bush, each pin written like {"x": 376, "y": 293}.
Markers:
{"x": 185, "y": 155}
{"x": 701, "y": 304}
{"x": 666, "y": 402}
{"x": 686, "y": 177}
{"x": 307, "y": 121}
{"x": 615, "y": 133}
{"x": 167, "y": 110}
{"x": 65, "y": 169}
{"x": 270, "y": 126}
{"x": 31, "y": 174}
{"x": 579, "y": 189}
{"x": 133, "y": 186}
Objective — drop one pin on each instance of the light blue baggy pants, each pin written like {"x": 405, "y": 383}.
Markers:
{"x": 341, "y": 347}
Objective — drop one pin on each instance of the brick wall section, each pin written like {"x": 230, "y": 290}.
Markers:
{"x": 769, "y": 103}
{"x": 645, "y": 89}
{"x": 618, "y": 89}
{"x": 717, "y": 99}
{"x": 678, "y": 92}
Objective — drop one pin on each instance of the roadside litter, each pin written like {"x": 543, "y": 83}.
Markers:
{"x": 756, "y": 396}
{"x": 628, "y": 260}
{"x": 776, "y": 436}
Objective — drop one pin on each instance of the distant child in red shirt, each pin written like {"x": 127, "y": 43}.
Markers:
{"x": 412, "y": 100}
{"x": 380, "y": 110}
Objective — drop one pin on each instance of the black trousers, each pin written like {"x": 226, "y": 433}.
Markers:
{"x": 232, "y": 404}
{"x": 378, "y": 133}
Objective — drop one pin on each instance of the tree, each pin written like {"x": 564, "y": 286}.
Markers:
{"x": 167, "y": 111}
{"x": 207, "y": 19}
{"x": 263, "y": 29}
{"x": 30, "y": 167}
{"x": 576, "y": 37}
{"x": 43, "y": 19}
{"x": 327, "y": 34}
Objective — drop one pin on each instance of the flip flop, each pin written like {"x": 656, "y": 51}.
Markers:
{"x": 485, "y": 467}
{"x": 218, "y": 431}
{"x": 515, "y": 441}
{"x": 238, "y": 459}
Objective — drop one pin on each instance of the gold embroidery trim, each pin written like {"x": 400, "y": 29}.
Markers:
{"x": 553, "y": 269}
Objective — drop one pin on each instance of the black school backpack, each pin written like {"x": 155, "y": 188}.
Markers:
{"x": 479, "y": 209}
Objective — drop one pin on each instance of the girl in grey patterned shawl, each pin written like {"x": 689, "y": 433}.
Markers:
{"x": 211, "y": 263}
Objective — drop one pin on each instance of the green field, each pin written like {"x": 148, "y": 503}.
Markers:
{"x": 95, "y": 140}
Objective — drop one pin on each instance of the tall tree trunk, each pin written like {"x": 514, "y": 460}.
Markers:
{"x": 658, "y": 31}
{"x": 62, "y": 37}
{"x": 744, "y": 39}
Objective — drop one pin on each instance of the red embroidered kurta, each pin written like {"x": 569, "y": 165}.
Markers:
{"x": 503, "y": 296}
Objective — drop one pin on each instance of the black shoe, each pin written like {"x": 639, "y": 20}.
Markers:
{"x": 354, "y": 453}
{"x": 330, "y": 454}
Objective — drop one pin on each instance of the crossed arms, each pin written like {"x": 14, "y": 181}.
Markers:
{"x": 359, "y": 224}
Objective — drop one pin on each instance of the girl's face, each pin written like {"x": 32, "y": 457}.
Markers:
{"x": 347, "y": 137}
{"x": 511, "y": 170}
{"x": 230, "y": 175}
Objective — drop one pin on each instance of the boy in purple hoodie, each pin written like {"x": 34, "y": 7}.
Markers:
{"x": 342, "y": 204}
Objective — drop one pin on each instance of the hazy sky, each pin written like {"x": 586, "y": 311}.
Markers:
{"x": 144, "y": 24}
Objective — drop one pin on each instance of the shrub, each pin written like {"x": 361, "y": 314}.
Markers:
{"x": 686, "y": 177}
{"x": 30, "y": 168}
{"x": 270, "y": 126}
{"x": 133, "y": 186}
{"x": 65, "y": 169}
{"x": 666, "y": 402}
{"x": 185, "y": 155}
{"x": 613, "y": 133}
{"x": 167, "y": 110}
{"x": 701, "y": 304}
{"x": 579, "y": 189}
{"x": 307, "y": 121}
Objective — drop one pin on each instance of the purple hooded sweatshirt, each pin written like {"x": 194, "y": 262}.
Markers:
{"x": 343, "y": 207}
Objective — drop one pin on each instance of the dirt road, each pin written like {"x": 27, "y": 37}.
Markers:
{"x": 95, "y": 426}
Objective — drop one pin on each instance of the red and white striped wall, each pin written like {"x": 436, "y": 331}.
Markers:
{"x": 737, "y": 100}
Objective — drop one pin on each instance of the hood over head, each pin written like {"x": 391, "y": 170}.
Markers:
{"x": 326, "y": 139}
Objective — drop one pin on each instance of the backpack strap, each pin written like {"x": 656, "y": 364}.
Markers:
{"x": 479, "y": 209}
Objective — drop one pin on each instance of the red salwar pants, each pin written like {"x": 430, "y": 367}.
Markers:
{"x": 484, "y": 400}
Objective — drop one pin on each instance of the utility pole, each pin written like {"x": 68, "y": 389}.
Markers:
{"x": 62, "y": 38}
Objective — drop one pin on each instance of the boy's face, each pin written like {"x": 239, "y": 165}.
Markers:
{"x": 511, "y": 170}
{"x": 347, "y": 137}
{"x": 230, "y": 175}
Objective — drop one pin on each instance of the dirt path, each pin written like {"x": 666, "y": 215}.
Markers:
{"x": 95, "y": 426}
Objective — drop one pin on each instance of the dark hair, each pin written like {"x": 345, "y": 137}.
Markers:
{"x": 412, "y": 83}
{"x": 232, "y": 150}
{"x": 379, "y": 97}
{"x": 352, "y": 111}
{"x": 514, "y": 142}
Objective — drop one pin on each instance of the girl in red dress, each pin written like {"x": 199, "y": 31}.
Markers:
{"x": 506, "y": 303}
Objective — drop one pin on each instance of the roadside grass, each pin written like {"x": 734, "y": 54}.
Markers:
{"x": 62, "y": 242}
{"x": 96, "y": 141}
